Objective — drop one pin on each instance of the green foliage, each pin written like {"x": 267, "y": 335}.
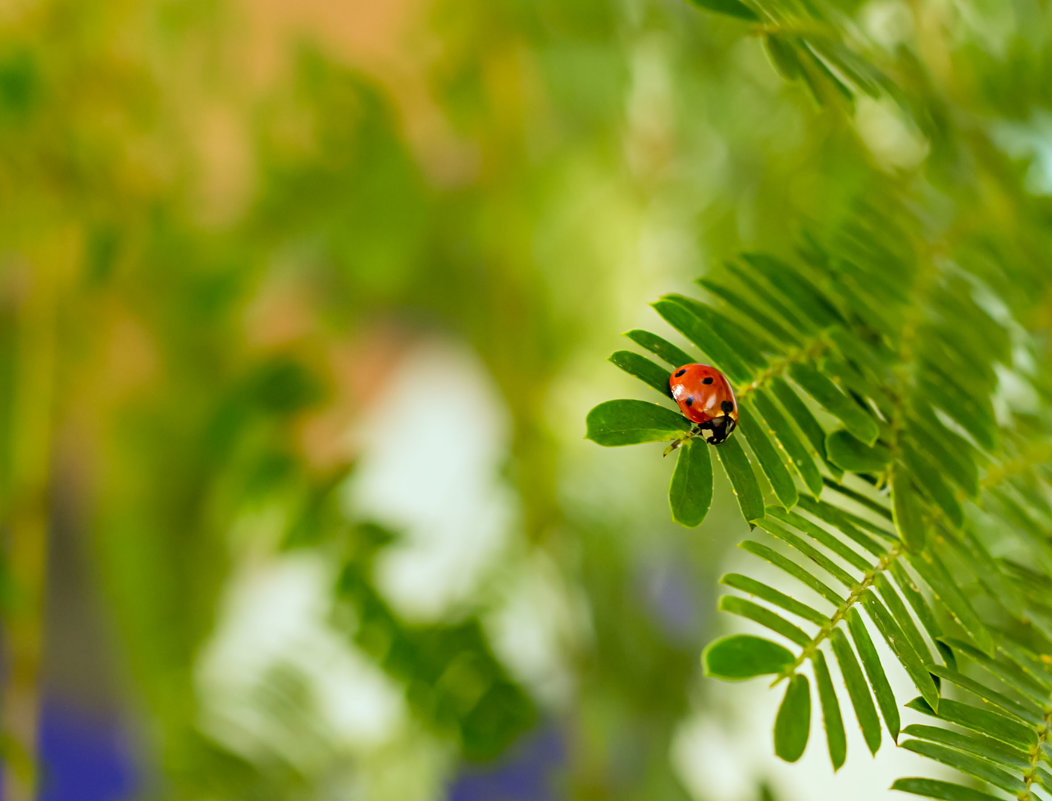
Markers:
{"x": 889, "y": 402}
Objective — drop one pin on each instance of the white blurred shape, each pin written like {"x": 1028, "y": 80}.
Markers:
{"x": 430, "y": 457}
{"x": 894, "y": 142}
{"x": 273, "y": 638}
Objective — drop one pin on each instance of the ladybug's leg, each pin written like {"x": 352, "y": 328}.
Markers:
{"x": 695, "y": 430}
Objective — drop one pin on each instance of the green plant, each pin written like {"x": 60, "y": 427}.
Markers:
{"x": 894, "y": 439}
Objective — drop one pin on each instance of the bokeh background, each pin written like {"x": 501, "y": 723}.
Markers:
{"x": 302, "y": 306}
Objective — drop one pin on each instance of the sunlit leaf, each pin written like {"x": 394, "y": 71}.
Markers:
{"x": 629, "y": 422}
{"x": 854, "y": 455}
{"x": 832, "y": 721}
{"x": 743, "y": 656}
{"x": 690, "y": 493}
{"x": 792, "y": 726}
{"x": 739, "y": 470}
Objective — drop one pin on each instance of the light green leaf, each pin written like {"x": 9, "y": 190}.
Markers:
{"x": 739, "y": 470}
{"x": 732, "y": 8}
{"x": 771, "y": 595}
{"x": 662, "y": 348}
{"x": 878, "y": 680}
{"x": 833, "y": 400}
{"x": 944, "y": 791}
{"x": 767, "y": 455}
{"x": 831, "y": 718}
{"x": 765, "y": 617}
{"x": 743, "y": 656}
{"x": 793, "y": 724}
{"x": 906, "y": 509}
{"x": 690, "y": 493}
{"x": 857, "y": 689}
{"x": 642, "y": 368}
{"x": 855, "y": 455}
{"x": 629, "y": 422}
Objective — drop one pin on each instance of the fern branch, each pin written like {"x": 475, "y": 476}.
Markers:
{"x": 853, "y": 598}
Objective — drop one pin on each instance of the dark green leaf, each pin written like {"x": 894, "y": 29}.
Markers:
{"x": 765, "y": 617}
{"x": 677, "y": 313}
{"x": 739, "y": 470}
{"x": 857, "y": 689}
{"x": 742, "y": 656}
{"x": 771, "y": 595}
{"x": 900, "y": 646}
{"x": 833, "y": 400}
{"x": 1002, "y": 702}
{"x": 662, "y": 348}
{"x": 793, "y": 569}
{"x": 945, "y": 587}
{"x": 761, "y": 319}
{"x": 831, "y": 718}
{"x": 906, "y": 509}
{"x": 944, "y": 791}
{"x": 690, "y": 493}
{"x": 842, "y": 521}
{"x": 992, "y": 724}
{"x": 643, "y": 369}
{"x": 767, "y": 455}
{"x": 629, "y": 422}
{"x": 783, "y": 56}
{"x": 793, "y": 724}
{"x": 778, "y": 425}
{"x": 732, "y": 8}
{"x": 918, "y": 603}
{"x": 855, "y": 455}
{"x": 966, "y": 763}
{"x": 805, "y": 419}
{"x": 822, "y": 537}
{"x": 898, "y": 610}
{"x": 878, "y": 680}
{"x": 931, "y": 440}
{"x": 794, "y": 541}
{"x": 930, "y": 479}
{"x": 972, "y": 743}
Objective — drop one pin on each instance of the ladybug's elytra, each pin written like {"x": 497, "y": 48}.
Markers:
{"x": 705, "y": 397}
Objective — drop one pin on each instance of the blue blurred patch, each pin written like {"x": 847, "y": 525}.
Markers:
{"x": 86, "y": 757}
{"x": 524, "y": 773}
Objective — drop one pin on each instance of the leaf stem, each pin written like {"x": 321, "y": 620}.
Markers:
{"x": 827, "y": 628}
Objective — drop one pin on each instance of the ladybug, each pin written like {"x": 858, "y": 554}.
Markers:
{"x": 704, "y": 396}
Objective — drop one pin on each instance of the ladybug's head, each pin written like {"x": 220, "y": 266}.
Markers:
{"x": 719, "y": 428}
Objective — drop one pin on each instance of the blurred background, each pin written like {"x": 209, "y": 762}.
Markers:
{"x": 301, "y": 310}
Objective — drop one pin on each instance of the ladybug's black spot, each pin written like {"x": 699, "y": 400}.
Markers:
{"x": 707, "y": 380}
{"x": 689, "y": 401}
{"x": 727, "y": 407}
{"x": 681, "y": 372}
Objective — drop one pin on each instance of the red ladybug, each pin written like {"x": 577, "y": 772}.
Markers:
{"x": 705, "y": 397}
